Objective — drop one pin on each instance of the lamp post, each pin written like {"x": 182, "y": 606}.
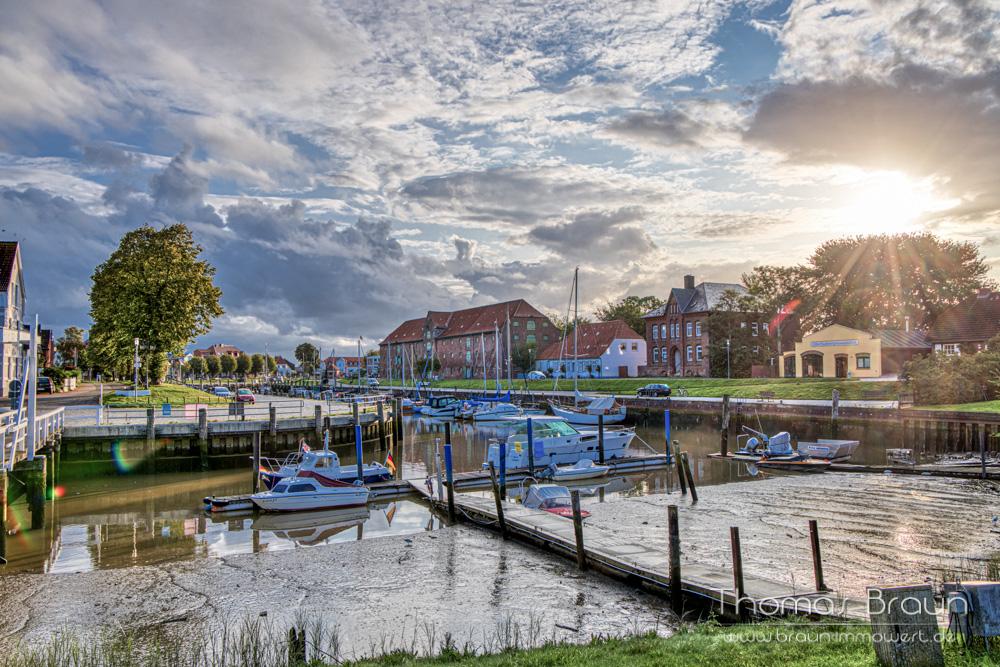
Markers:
{"x": 135, "y": 364}
{"x": 727, "y": 358}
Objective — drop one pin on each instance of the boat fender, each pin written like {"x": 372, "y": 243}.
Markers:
{"x": 753, "y": 444}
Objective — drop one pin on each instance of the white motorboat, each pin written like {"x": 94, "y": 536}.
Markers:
{"x": 323, "y": 462}
{"x": 551, "y": 498}
{"x": 441, "y": 406}
{"x": 829, "y": 450}
{"x": 589, "y": 408}
{"x": 582, "y": 469}
{"x": 496, "y": 412}
{"x": 557, "y": 441}
{"x": 310, "y": 492}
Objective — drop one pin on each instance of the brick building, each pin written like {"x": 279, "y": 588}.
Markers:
{"x": 967, "y": 327}
{"x": 219, "y": 349}
{"x": 463, "y": 340}
{"x": 677, "y": 336}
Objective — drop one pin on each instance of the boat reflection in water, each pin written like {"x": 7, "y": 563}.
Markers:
{"x": 312, "y": 528}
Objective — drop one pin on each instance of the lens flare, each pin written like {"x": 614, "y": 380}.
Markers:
{"x": 123, "y": 464}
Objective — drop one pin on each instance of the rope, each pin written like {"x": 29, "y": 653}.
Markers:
{"x": 637, "y": 437}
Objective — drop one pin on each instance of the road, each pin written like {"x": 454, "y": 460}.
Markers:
{"x": 85, "y": 394}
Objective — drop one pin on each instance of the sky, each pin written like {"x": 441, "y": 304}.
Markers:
{"x": 349, "y": 165}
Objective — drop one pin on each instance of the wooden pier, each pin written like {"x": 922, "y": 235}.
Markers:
{"x": 701, "y": 586}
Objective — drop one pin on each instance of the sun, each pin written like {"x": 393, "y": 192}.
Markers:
{"x": 888, "y": 202}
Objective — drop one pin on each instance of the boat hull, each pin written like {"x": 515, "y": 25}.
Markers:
{"x": 371, "y": 475}
{"x": 574, "y": 417}
{"x": 341, "y": 498}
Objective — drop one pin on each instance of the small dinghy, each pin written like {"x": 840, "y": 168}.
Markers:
{"x": 582, "y": 469}
{"x": 551, "y": 498}
{"x": 830, "y": 450}
{"x": 311, "y": 492}
{"x": 775, "y": 452}
{"x": 240, "y": 503}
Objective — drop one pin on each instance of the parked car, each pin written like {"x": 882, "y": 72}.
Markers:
{"x": 536, "y": 375}
{"x": 244, "y": 396}
{"x": 45, "y": 385}
{"x": 222, "y": 392}
{"x": 373, "y": 382}
{"x": 654, "y": 389}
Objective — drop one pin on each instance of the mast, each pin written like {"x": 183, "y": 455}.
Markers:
{"x": 482, "y": 355}
{"x": 508, "y": 351}
{"x": 576, "y": 331}
{"x": 359, "y": 363}
{"x": 496, "y": 352}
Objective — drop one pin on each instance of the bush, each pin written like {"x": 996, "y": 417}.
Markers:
{"x": 939, "y": 379}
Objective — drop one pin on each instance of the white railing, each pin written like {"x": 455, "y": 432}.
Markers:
{"x": 14, "y": 440}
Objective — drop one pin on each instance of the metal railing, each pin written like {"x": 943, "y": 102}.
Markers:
{"x": 14, "y": 440}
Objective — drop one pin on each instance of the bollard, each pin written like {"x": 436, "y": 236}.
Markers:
{"x": 674, "y": 539}
{"x": 255, "y": 485}
{"x": 359, "y": 450}
{"x": 499, "y": 503}
{"x": 738, "y": 587}
{"x": 817, "y": 556}
{"x": 531, "y": 452}
{"x": 600, "y": 439}
{"x": 503, "y": 469}
{"x": 581, "y": 555}
{"x": 450, "y": 478}
{"x": 666, "y": 434}
{"x": 690, "y": 478}
{"x": 680, "y": 468}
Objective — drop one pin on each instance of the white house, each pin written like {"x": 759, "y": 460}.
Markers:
{"x": 283, "y": 367}
{"x": 13, "y": 331}
{"x": 604, "y": 349}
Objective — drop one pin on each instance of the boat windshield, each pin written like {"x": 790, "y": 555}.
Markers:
{"x": 545, "y": 428}
{"x": 299, "y": 488}
{"x": 280, "y": 488}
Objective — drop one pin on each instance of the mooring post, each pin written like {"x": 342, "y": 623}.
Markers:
{"x": 679, "y": 465}
{"x": 318, "y": 424}
{"x": 203, "y": 437}
{"x": 724, "y": 429}
{"x": 150, "y": 428}
{"x": 666, "y": 435}
{"x": 817, "y": 556}
{"x": 255, "y": 482}
{"x": 982, "y": 450}
{"x": 531, "y": 454}
{"x": 600, "y": 438}
{"x": 450, "y": 479}
{"x": 503, "y": 468}
{"x": 272, "y": 420}
{"x": 690, "y": 478}
{"x": 835, "y": 412}
{"x": 3, "y": 515}
{"x": 738, "y": 588}
{"x": 674, "y": 535}
{"x": 359, "y": 450}
{"x": 499, "y": 502}
{"x": 581, "y": 555}
{"x": 382, "y": 442}
{"x": 437, "y": 469}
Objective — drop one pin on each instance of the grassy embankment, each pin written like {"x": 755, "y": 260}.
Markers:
{"x": 705, "y": 644}
{"x": 984, "y": 406}
{"x": 783, "y": 388}
{"x": 175, "y": 394}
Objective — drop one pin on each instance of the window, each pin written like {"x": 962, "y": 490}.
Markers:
{"x": 688, "y": 330}
{"x": 864, "y": 361}
{"x": 663, "y": 354}
{"x": 697, "y": 328}
{"x": 756, "y": 349}
{"x": 663, "y": 331}
{"x": 656, "y": 355}
{"x": 468, "y": 356}
{"x": 689, "y": 353}
{"x": 531, "y": 325}
{"x": 673, "y": 330}
{"x": 300, "y": 488}
{"x": 764, "y": 326}
{"x": 621, "y": 347}
{"x": 697, "y": 353}
{"x": 656, "y": 332}
{"x": 951, "y": 349}
{"x": 545, "y": 337}
{"x": 635, "y": 347}
{"x": 516, "y": 323}
{"x": 743, "y": 325}
{"x": 530, "y": 339}
{"x": 517, "y": 336}
{"x": 754, "y": 328}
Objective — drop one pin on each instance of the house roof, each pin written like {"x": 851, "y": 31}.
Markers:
{"x": 408, "y": 332}
{"x": 218, "y": 349}
{"x": 901, "y": 339}
{"x": 282, "y": 361}
{"x": 593, "y": 340}
{"x": 704, "y": 297}
{"x": 8, "y": 259}
{"x": 977, "y": 319}
{"x": 462, "y": 322}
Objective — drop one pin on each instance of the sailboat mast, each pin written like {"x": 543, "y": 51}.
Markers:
{"x": 576, "y": 331}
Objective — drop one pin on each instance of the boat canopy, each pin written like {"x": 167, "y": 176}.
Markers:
{"x": 600, "y": 404}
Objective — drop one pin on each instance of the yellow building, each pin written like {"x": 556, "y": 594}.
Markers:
{"x": 842, "y": 352}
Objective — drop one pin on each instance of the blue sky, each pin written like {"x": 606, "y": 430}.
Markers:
{"x": 349, "y": 165}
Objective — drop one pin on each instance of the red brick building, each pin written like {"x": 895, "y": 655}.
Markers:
{"x": 463, "y": 340}
{"x": 967, "y": 327}
{"x": 219, "y": 349}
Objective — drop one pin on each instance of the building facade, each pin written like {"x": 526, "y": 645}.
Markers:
{"x": 464, "y": 342}
{"x": 14, "y": 336}
{"x": 838, "y": 351}
{"x": 604, "y": 349}
{"x": 219, "y": 349}
{"x": 967, "y": 327}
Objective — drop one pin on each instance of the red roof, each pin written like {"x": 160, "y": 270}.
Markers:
{"x": 8, "y": 257}
{"x": 974, "y": 320}
{"x": 279, "y": 360}
{"x": 593, "y": 340}
{"x": 218, "y": 349}
{"x": 462, "y": 322}
{"x": 408, "y": 332}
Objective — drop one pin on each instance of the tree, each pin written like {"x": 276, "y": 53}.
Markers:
{"x": 227, "y": 363}
{"x": 522, "y": 357}
{"x": 564, "y": 326}
{"x": 308, "y": 357}
{"x": 213, "y": 365}
{"x": 272, "y": 365}
{"x": 937, "y": 379}
{"x": 257, "y": 364}
{"x": 196, "y": 366}
{"x": 630, "y": 309}
{"x": 243, "y": 364}
{"x": 153, "y": 288}
{"x": 71, "y": 347}
{"x": 730, "y": 321}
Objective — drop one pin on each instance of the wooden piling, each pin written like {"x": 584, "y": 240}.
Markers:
{"x": 449, "y": 475}
{"x": 680, "y": 469}
{"x": 272, "y": 420}
{"x": 690, "y": 478}
{"x": 817, "y": 556}
{"x": 3, "y": 516}
{"x": 499, "y": 502}
{"x": 724, "y": 428}
{"x": 739, "y": 589}
{"x": 150, "y": 429}
{"x": 531, "y": 455}
{"x": 982, "y": 450}
{"x": 203, "y": 437}
{"x": 318, "y": 424}
{"x": 255, "y": 482}
{"x": 382, "y": 441}
{"x": 296, "y": 647}
{"x": 600, "y": 438}
{"x": 674, "y": 540}
{"x": 581, "y": 555}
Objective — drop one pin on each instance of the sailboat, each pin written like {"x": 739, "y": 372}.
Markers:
{"x": 585, "y": 409}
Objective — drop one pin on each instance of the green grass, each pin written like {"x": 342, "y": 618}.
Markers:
{"x": 174, "y": 394}
{"x": 783, "y": 388}
{"x": 983, "y": 406}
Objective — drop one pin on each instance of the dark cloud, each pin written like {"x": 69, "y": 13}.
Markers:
{"x": 597, "y": 236}
{"x": 179, "y": 192}
{"x": 669, "y": 127}
{"x": 109, "y": 156}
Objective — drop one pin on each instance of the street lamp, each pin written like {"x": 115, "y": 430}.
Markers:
{"x": 727, "y": 358}
{"x": 136, "y": 364}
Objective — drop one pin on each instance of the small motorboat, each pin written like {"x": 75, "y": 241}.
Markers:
{"x": 551, "y": 498}
{"x": 324, "y": 462}
{"x": 441, "y": 406}
{"x": 775, "y": 452}
{"x": 829, "y": 450}
{"x": 218, "y": 504}
{"x": 556, "y": 441}
{"x": 310, "y": 491}
{"x": 582, "y": 469}
{"x": 496, "y": 412}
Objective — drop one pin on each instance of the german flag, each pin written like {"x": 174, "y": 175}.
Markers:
{"x": 390, "y": 464}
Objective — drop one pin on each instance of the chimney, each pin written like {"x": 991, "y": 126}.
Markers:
{"x": 688, "y": 282}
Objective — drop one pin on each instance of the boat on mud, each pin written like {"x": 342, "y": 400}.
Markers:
{"x": 310, "y": 491}
{"x": 582, "y": 469}
{"x": 775, "y": 452}
{"x": 837, "y": 451}
{"x": 551, "y": 498}
{"x": 556, "y": 441}
{"x": 323, "y": 462}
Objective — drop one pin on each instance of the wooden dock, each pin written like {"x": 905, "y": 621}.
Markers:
{"x": 636, "y": 563}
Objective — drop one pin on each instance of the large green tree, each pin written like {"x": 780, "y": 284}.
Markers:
{"x": 308, "y": 357}
{"x": 257, "y": 364}
{"x": 155, "y": 288}
{"x": 630, "y": 309}
{"x": 213, "y": 365}
{"x": 71, "y": 347}
{"x": 196, "y": 366}
{"x": 243, "y": 364}
{"x": 227, "y": 362}
{"x": 732, "y": 320}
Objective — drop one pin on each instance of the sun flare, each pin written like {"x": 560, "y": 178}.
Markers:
{"x": 889, "y": 202}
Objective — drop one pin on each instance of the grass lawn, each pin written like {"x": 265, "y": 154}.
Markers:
{"x": 983, "y": 406}
{"x": 790, "y": 388}
{"x": 174, "y": 394}
{"x": 705, "y": 645}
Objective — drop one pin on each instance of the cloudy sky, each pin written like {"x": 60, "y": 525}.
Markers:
{"x": 348, "y": 165}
